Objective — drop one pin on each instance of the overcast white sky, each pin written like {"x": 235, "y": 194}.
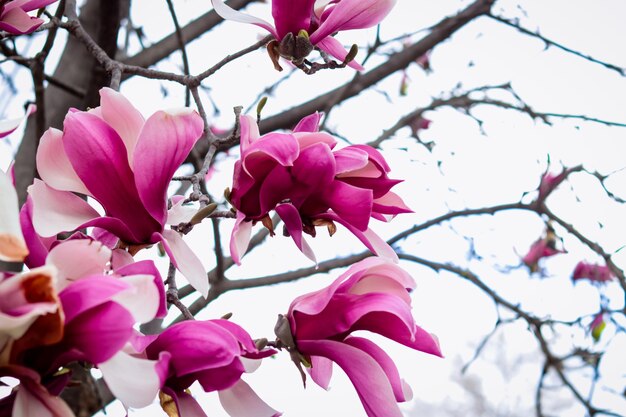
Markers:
{"x": 476, "y": 170}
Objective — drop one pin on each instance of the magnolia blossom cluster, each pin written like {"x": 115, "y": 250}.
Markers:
{"x": 309, "y": 183}
{"x": 102, "y": 197}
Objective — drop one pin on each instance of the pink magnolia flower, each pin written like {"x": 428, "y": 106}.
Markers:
{"x": 99, "y": 309}
{"x": 12, "y": 245}
{"x": 125, "y": 163}
{"x": 309, "y": 184}
{"x": 215, "y": 353}
{"x": 592, "y": 272}
{"x": 542, "y": 248}
{"x": 372, "y": 295}
{"x": 299, "y": 25}
{"x": 14, "y": 16}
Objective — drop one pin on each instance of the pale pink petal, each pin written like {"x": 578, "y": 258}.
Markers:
{"x": 240, "y": 238}
{"x": 58, "y": 211}
{"x": 185, "y": 261}
{"x": 249, "y": 131}
{"x": 352, "y": 14}
{"x": 32, "y": 400}
{"x": 333, "y": 47}
{"x": 321, "y": 371}
{"x": 54, "y": 166}
{"x": 29, "y": 5}
{"x": 93, "y": 256}
{"x": 230, "y": 14}
{"x": 12, "y": 244}
{"x": 306, "y": 139}
{"x": 142, "y": 299}
{"x": 180, "y": 213}
{"x": 8, "y": 126}
{"x": 134, "y": 381}
{"x": 241, "y": 401}
{"x": 367, "y": 376}
{"x": 122, "y": 116}
{"x": 164, "y": 142}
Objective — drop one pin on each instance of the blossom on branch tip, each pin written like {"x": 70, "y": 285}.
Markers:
{"x": 372, "y": 295}
{"x": 592, "y": 272}
{"x": 125, "y": 163}
{"x": 14, "y": 16}
{"x": 542, "y": 248}
{"x": 301, "y": 25}
{"x": 215, "y": 353}
{"x": 308, "y": 183}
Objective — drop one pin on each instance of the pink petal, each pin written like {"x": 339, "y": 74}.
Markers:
{"x": 89, "y": 292}
{"x": 122, "y": 116}
{"x": 309, "y": 123}
{"x": 57, "y": 211}
{"x": 230, "y": 14}
{"x": 54, "y": 166}
{"x": 352, "y": 14}
{"x": 93, "y": 256}
{"x": 165, "y": 141}
{"x": 334, "y": 48}
{"x": 96, "y": 151}
{"x": 315, "y": 167}
{"x": 367, "y": 376}
{"x": 290, "y": 16}
{"x": 100, "y": 332}
{"x": 385, "y": 362}
{"x": 12, "y": 245}
{"x": 185, "y": 261}
{"x": 37, "y": 245}
{"x": 241, "y": 401}
{"x": 18, "y": 22}
{"x": 134, "y": 381}
{"x": 187, "y": 406}
{"x": 352, "y": 204}
{"x": 271, "y": 149}
{"x": 390, "y": 203}
{"x": 351, "y": 159}
{"x": 240, "y": 237}
{"x": 291, "y": 217}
